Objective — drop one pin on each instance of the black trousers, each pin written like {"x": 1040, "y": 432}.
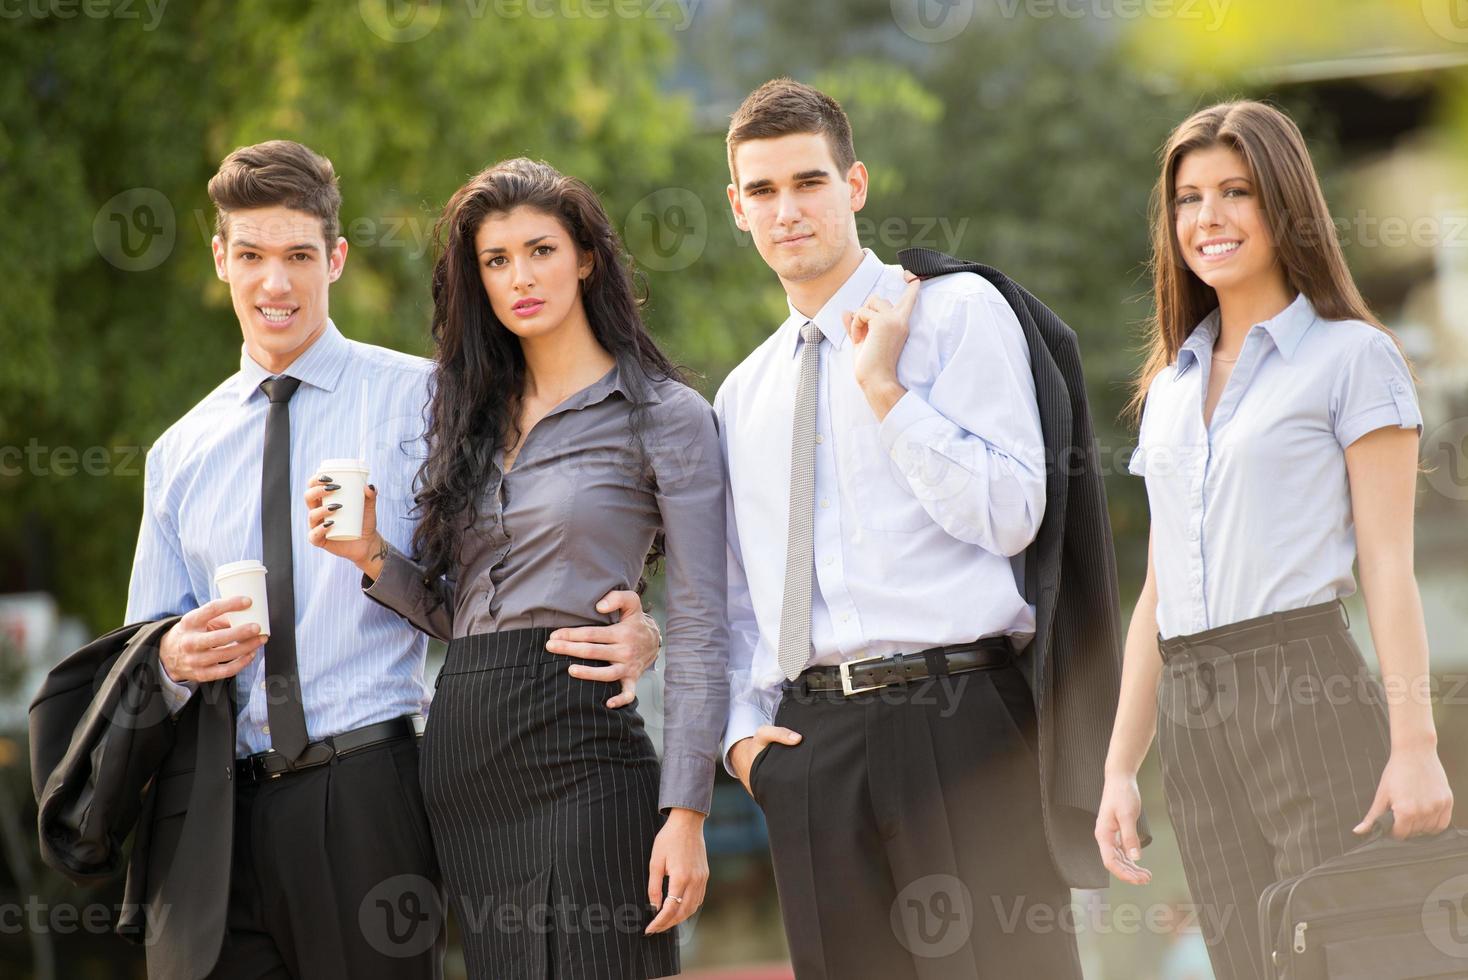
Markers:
{"x": 906, "y": 834}
{"x": 544, "y": 807}
{"x": 1271, "y": 752}
{"x": 334, "y": 876}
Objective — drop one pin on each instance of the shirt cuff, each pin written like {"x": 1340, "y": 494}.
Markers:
{"x": 909, "y": 411}
{"x": 398, "y": 586}
{"x": 687, "y": 782}
{"x": 1400, "y": 414}
{"x": 176, "y": 694}
{"x": 744, "y": 720}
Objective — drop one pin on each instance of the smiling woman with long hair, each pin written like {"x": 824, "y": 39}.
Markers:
{"x": 1279, "y": 446}
{"x": 564, "y": 453}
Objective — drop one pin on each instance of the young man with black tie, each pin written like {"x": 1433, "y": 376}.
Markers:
{"x": 886, "y": 464}
{"x": 285, "y": 832}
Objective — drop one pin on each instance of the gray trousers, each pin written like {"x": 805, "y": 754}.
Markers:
{"x": 1273, "y": 737}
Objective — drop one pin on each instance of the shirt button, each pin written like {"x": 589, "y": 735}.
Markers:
{"x": 845, "y": 617}
{"x": 829, "y": 562}
{"x": 825, "y": 503}
{"x": 820, "y": 438}
{"x": 265, "y": 729}
{"x": 1193, "y": 534}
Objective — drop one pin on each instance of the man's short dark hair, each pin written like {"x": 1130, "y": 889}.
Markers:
{"x": 782, "y": 107}
{"x": 277, "y": 173}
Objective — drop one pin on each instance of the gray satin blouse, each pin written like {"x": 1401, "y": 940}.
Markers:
{"x": 573, "y": 520}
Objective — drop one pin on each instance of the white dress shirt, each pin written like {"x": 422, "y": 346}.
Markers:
{"x": 1252, "y": 514}
{"x": 358, "y": 662}
{"x": 916, "y": 517}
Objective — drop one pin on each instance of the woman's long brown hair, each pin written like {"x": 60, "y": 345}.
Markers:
{"x": 1295, "y": 213}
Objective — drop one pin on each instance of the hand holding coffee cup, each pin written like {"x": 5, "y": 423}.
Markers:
{"x": 323, "y": 511}
{"x": 203, "y": 646}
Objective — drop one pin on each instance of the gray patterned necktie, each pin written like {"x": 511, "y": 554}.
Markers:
{"x": 794, "y": 649}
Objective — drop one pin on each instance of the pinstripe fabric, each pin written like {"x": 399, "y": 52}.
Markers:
{"x": 1270, "y": 755}
{"x": 543, "y": 804}
{"x": 359, "y": 663}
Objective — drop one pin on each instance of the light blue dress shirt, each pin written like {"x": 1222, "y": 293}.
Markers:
{"x": 1252, "y": 515}
{"x": 359, "y": 663}
{"x": 917, "y": 518}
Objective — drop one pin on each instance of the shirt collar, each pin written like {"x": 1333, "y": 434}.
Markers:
{"x": 1286, "y": 328}
{"x": 633, "y": 389}
{"x": 852, "y": 294}
{"x": 320, "y": 366}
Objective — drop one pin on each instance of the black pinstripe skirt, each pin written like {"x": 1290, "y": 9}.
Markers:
{"x": 543, "y": 805}
{"x": 1273, "y": 736}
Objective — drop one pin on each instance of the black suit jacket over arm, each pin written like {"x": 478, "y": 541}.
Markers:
{"x": 1074, "y": 662}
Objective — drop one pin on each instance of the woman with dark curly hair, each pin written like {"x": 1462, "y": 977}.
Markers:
{"x": 564, "y": 452}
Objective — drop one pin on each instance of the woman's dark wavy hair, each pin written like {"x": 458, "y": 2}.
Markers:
{"x": 480, "y": 366}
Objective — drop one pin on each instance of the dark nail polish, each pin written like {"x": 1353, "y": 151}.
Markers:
{"x": 333, "y": 486}
{"x": 372, "y": 488}
{"x": 327, "y": 523}
{"x": 333, "y": 506}
{"x": 324, "y": 478}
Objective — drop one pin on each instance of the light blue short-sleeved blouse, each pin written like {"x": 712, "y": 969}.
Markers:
{"x": 1252, "y": 515}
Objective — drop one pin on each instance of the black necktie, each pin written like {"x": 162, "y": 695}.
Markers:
{"x": 282, "y": 681}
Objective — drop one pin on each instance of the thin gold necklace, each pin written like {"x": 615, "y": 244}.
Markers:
{"x": 1226, "y": 360}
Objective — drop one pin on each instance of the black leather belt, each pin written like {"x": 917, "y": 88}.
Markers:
{"x": 871, "y": 673}
{"x": 270, "y": 764}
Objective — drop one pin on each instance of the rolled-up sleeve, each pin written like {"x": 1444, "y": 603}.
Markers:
{"x": 1374, "y": 391}
{"x": 971, "y": 450}
{"x": 688, "y": 470}
{"x": 402, "y": 586}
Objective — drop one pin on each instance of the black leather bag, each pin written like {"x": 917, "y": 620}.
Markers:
{"x": 1385, "y": 910}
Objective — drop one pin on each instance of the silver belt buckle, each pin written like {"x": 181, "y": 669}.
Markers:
{"x": 845, "y": 670}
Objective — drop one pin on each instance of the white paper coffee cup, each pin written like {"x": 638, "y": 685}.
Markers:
{"x": 245, "y": 578}
{"x": 351, "y": 476}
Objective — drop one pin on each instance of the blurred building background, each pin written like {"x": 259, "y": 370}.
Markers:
{"x": 1020, "y": 132}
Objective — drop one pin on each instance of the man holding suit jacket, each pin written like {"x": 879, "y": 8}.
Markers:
{"x": 884, "y": 669}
